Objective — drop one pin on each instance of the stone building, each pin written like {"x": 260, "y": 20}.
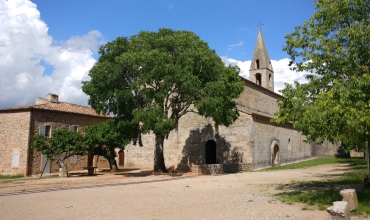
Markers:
{"x": 19, "y": 124}
{"x": 252, "y": 141}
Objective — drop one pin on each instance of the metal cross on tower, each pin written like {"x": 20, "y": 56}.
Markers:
{"x": 260, "y": 25}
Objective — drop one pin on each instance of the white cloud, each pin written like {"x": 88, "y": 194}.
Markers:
{"x": 243, "y": 65}
{"x": 25, "y": 44}
{"x": 230, "y": 47}
{"x": 282, "y": 72}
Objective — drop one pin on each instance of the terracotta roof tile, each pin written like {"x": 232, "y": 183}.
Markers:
{"x": 45, "y": 104}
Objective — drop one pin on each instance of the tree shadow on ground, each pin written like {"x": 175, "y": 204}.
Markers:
{"x": 194, "y": 150}
{"x": 83, "y": 174}
{"x": 324, "y": 192}
{"x": 145, "y": 173}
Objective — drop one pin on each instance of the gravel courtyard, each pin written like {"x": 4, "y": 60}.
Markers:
{"x": 138, "y": 195}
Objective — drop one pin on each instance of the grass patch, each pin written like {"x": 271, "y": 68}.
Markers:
{"x": 11, "y": 176}
{"x": 312, "y": 163}
{"x": 322, "y": 194}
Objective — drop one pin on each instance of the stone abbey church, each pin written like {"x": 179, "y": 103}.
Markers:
{"x": 251, "y": 142}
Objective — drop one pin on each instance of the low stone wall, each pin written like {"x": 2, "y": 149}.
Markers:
{"x": 219, "y": 168}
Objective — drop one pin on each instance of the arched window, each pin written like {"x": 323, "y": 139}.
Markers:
{"x": 257, "y": 64}
{"x": 258, "y": 79}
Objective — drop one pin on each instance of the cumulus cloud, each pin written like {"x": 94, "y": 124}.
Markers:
{"x": 282, "y": 72}
{"x": 25, "y": 47}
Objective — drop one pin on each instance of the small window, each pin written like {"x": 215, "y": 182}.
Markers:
{"x": 257, "y": 64}
{"x": 72, "y": 128}
{"x": 44, "y": 130}
{"x": 15, "y": 162}
{"x": 74, "y": 159}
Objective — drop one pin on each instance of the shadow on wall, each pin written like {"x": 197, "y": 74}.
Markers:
{"x": 194, "y": 151}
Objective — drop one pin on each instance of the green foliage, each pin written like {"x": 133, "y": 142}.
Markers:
{"x": 334, "y": 47}
{"x": 11, "y": 176}
{"x": 105, "y": 133}
{"x": 62, "y": 145}
{"x": 309, "y": 163}
{"x": 104, "y": 137}
{"x": 152, "y": 79}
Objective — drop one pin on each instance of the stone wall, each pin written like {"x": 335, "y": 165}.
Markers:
{"x": 14, "y": 136}
{"x": 219, "y": 168}
{"x": 184, "y": 145}
{"x": 256, "y": 99}
{"x": 327, "y": 149}
{"x": 247, "y": 140}
{"x": 59, "y": 120}
{"x": 250, "y": 139}
{"x": 265, "y": 135}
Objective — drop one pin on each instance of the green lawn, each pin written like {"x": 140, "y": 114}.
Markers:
{"x": 311, "y": 163}
{"x": 11, "y": 176}
{"x": 322, "y": 194}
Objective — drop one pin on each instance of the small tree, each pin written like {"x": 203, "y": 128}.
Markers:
{"x": 334, "y": 46}
{"x": 152, "y": 79}
{"x": 103, "y": 139}
{"x": 62, "y": 145}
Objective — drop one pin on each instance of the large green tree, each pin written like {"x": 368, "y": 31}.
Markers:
{"x": 334, "y": 46}
{"x": 62, "y": 145}
{"x": 104, "y": 138}
{"x": 152, "y": 79}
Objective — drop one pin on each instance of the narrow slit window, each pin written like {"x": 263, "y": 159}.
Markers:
{"x": 257, "y": 64}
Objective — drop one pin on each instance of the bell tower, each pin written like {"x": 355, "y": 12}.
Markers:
{"x": 261, "y": 71}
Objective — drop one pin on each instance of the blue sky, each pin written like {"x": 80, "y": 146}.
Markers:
{"x": 221, "y": 23}
{"x": 49, "y": 46}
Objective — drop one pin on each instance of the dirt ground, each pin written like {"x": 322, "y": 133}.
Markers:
{"x": 136, "y": 194}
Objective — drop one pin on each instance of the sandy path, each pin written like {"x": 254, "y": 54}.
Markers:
{"x": 234, "y": 196}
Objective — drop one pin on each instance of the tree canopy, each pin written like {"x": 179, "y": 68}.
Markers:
{"x": 334, "y": 46}
{"x": 62, "y": 145}
{"x": 104, "y": 138}
{"x": 150, "y": 80}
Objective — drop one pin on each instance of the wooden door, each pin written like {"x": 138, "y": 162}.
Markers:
{"x": 121, "y": 158}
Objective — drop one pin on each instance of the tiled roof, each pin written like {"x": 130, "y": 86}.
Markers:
{"x": 44, "y": 104}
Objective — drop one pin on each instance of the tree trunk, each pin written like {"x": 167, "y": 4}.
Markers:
{"x": 159, "y": 165}
{"x": 367, "y": 154}
{"x": 63, "y": 171}
{"x": 90, "y": 157}
{"x": 113, "y": 162}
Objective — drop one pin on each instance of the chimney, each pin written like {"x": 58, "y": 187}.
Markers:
{"x": 52, "y": 97}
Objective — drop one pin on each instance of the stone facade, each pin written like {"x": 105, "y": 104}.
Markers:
{"x": 14, "y": 137}
{"x": 59, "y": 120}
{"x": 19, "y": 124}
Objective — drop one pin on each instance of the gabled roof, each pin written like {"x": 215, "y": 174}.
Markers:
{"x": 260, "y": 53}
{"x": 44, "y": 104}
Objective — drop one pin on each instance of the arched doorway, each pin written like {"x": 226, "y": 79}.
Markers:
{"x": 211, "y": 152}
{"x": 121, "y": 158}
{"x": 275, "y": 153}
